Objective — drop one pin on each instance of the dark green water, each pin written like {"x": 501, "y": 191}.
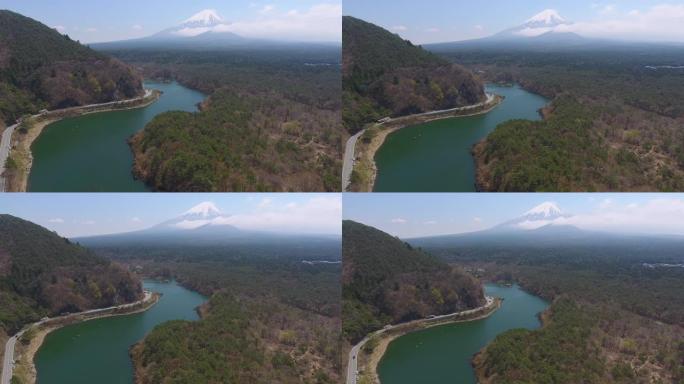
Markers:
{"x": 441, "y": 355}
{"x": 90, "y": 153}
{"x": 96, "y": 351}
{"x": 436, "y": 156}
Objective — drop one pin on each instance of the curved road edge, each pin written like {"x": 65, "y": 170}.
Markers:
{"x": 352, "y": 365}
{"x": 350, "y": 147}
{"x": 348, "y": 162}
{"x": 8, "y": 359}
{"x": 6, "y": 139}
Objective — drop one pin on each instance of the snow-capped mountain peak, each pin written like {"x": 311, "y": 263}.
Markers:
{"x": 202, "y": 215}
{"x": 547, "y": 17}
{"x": 204, "y": 209}
{"x": 206, "y": 17}
{"x": 546, "y": 210}
{"x": 545, "y": 23}
{"x": 544, "y": 214}
{"x": 206, "y": 22}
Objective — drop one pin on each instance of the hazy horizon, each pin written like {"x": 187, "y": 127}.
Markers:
{"x": 82, "y": 215}
{"x": 438, "y": 21}
{"x": 410, "y": 215}
{"x": 98, "y": 21}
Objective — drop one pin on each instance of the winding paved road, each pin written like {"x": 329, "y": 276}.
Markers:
{"x": 6, "y": 141}
{"x": 348, "y": 162}
{"x": 352, "y": 365}
{"x": 8, "y": 360}
{"x": 350, "y": 148}
{"x": 5, "y": 145}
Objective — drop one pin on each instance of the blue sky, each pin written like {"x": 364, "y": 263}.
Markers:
{"x": 411, "y": 215}
{"x": 83, "y": 214}
{"x": 430, "y": 21}
{"x": 106, "y": 20}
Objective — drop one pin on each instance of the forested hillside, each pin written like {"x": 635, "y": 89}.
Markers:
{"x": 615, "y": 317}
{"x": 43, "y": 274}
{"x": 385, "y": 280}
{"x": 271, "y": 122}
{"x": 266, "y": 321}
{"x": 613, "y": 125}
{"x": 40, "y": 68}
{"x": 384, "y": 75}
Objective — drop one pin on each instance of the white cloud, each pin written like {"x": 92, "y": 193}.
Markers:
{"x": 265, "y": 202}
{"x": 430, "y": 222}
{"x": 266, "y": 9}
{"x": 532, "y": 32}
{"x": 317, "y": 215}
{"x": 658, "y": 216}
{"x": 59, "y": 28}
{"x": 606, "y": 203}
{"x": 607, "y": 9}
{"x": 321, "y": 22}
{"x": 136, "y": 220}
{"x": 399, "y": 220}
{"x": 664, "y": 22}
{"x": 91, "y": 29}
{"x": 88, "y": 222}
{"x": 56, "y": 220}
{"x": 432, "y": 30}
{"x": 399, "y": 28}
{"x": 477, "y": 219}
{"x": 137, "y": 27}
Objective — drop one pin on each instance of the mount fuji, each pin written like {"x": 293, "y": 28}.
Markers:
{"x": 540, "y": 216}
{"x": 547, "y": 25}
{"x": 204, "y": 225}
{"x": 205, "y": 29}
{"x": 545, "y": 223}
{"x": 547, "y": 29}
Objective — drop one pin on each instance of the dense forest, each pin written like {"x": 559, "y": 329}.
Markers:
{"x": 386, "y": 281}
{"x": 613, "y": 319}
{"x": 270, "y": 316}
{"x": 613, "y": 125}
{"x": 271, "y": 121}
{"x": 43, "y": 274}
{"x": 384, "y": 75}
{"x": 40, "y": 68}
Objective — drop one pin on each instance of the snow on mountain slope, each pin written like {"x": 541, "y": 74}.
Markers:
{"x": 545, "y": 22}
{"x": 545, "y": 210}
{"x": 546, "y": 17}
{"x": 204, "y": 210}
{"x": 547, "y": 213}
{"x": 205, "y": 214}
{"x": 204, "y": 22}
{"x": 205, "y": 17}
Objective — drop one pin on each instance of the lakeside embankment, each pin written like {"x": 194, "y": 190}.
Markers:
{"x": 367, "y": 371}
{"x": 25, "y": 368}
{"x": 16, "y": 179}
{"x": 364, "y": 169}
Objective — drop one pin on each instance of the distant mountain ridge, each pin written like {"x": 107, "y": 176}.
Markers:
{"x": 203, "y": 30}
{"x": 545, "y": 30}
{"x": 201, "y": 225}
{"x": 546, "y": 226}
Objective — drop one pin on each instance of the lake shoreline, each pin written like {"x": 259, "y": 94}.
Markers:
{"x": 370, "y": 369}
{"x": 478, "y": 359}
{"x": 17, "y": 181}
{"x": 26, "y": 368}
{"x": 367, "y": 151}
